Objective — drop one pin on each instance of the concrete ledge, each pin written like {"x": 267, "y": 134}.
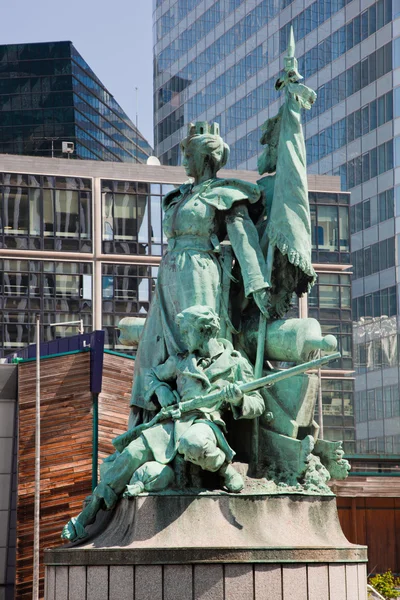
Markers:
{"x": 171, "y": 556}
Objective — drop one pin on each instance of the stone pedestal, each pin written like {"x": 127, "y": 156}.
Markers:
{"x": 212, "y": 547}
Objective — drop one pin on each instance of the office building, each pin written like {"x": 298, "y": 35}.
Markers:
{"x": 52, "y": 104}
{"x": 219, "y": 60}
{"x": 83, "y": 240}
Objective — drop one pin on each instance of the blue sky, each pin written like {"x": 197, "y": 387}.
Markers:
{"x": 115, "y": 39}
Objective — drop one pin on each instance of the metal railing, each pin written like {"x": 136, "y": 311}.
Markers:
{"x": 372, "y": 593}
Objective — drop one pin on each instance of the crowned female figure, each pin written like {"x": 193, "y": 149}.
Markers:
{"x": 198, "y": 216}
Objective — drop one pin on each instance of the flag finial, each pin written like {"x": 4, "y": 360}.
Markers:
{"x": 291, "y": 64}
{"x": 291, "y": 45}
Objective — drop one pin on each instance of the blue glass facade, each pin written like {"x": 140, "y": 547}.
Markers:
{"x": 349, "y": 53}
{"x": 49, "y": 94}
{"x": 230, "y": 34}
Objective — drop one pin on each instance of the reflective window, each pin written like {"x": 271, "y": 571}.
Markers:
{"x": 386, "y": 205}
{"x": 331, "y": 291}
{"x": 397, "y": 150}
{"x": 377, "y": 352}
{"x": 376, "y": 161}
{"x": 55, "y": 290}
{"x": 334, "y": 137}
{"x": 127, "y": 291}
{"x": 67, "y": 286}
{"x": 364, "y": 214}
{"x": 397, "y": 102}
{"x": 351, "y": 127}
{"x": 378, "y": 304}
{"x": 132, "y": 222}
{"x": 344, "y": 239}
{"x": 328, "y": 228}
{"x": 191, "y": 35}
{"x": 396, "y": 51}
{"x": 16, "y": 211}
{"x": 66, "y": 213}
{"x": 125, "y": 215}
{"x": 374, "y": 258}
{"x": 338, "y": 410}
{"x": 52, "y": 213}
{"x": 316, "y": 58}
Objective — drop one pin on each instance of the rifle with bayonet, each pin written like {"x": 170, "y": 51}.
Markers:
{"x": 211, "y": 400}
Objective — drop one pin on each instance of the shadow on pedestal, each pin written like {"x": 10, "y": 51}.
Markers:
{"x": 212, "y": 546}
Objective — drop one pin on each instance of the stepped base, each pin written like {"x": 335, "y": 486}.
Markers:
{"x": 212, "y": 547}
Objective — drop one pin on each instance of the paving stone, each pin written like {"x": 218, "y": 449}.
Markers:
{"x": 318, "y": 582}
{"x": 268, "y": 582}
{"x": 77, "y": 583}
{"x": 148, "y": 582}
{"x": 97, "y": 583}
{"x": 208, "y": 582}
{"x": 295, "y": 582}
{"x": 239, "y": 583}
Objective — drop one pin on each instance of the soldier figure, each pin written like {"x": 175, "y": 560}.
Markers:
{"x": 209, "y": 364}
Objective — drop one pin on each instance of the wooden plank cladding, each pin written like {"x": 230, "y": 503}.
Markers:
{"x": 114, "y": 400}
{"x": 372, "y": 487}
{"x": 374, "y": 522}
{"x": 66, "y": 454}
{"x": 66, "y": 445}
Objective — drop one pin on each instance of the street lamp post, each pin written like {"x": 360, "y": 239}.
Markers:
{"x": 36, "y": 517}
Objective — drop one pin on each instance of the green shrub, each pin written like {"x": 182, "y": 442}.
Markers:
{"x": 385, "y": 584}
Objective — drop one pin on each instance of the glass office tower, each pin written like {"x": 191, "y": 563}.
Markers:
{"x": 219, "y": 60}
{"x": 50, "y": 95}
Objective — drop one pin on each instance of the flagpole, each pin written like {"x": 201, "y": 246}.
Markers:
{"x": 262, "y": 330}
{"x": 36, "y": 517}
{"x": 258, "y": 368}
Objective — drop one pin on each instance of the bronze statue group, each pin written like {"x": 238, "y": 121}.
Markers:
{"x": 236, "y": 251}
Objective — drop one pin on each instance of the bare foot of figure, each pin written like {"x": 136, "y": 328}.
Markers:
{"x": 233, "y": 481}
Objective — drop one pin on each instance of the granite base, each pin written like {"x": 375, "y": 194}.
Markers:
{"x": 212, "y": 547}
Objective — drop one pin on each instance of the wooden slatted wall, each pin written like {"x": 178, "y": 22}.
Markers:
{"x": 114, "y": 400}
{"x": 66, "y": 445}
{"x": 374, "y": 522}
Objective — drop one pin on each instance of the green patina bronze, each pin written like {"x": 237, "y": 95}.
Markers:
{"x": 236, "y": 254}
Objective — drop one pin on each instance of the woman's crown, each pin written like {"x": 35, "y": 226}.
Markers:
{"x": 202, "y": 127}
